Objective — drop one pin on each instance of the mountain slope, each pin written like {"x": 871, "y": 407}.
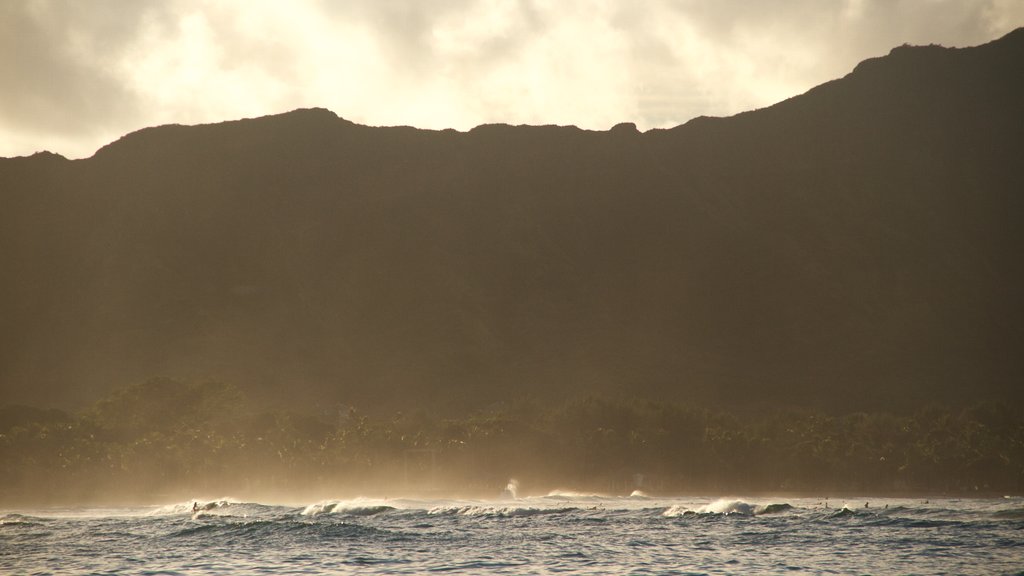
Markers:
{"x": 855, "y": 246}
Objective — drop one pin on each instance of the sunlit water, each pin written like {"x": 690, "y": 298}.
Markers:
{"x": 557, "y": 533}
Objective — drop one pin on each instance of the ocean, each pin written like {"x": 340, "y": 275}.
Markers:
{"x": 561, "y": 532}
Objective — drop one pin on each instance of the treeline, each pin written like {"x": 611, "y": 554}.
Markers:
{"x": 163, "y": 439}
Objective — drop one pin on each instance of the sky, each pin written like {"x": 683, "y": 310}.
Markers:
{"x": 78, "y": 74}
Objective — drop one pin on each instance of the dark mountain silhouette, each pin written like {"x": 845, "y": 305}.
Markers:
{"x": 857, "y": 246}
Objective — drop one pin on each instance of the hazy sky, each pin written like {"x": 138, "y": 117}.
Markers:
{"x": 77, "y": 74}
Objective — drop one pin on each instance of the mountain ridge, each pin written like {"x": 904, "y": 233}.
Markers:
{"x": 1008, "y": 43}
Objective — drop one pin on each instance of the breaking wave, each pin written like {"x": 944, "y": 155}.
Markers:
{"x": 497, "y": 511}
{"x": 357, "y": 507}
{"x": 726, "y": 507}
{"x": 192, "y": 506}
{"x": 219, "y": 507}
{"x": 537, "y": 534}
{"x": 19, "y": 520}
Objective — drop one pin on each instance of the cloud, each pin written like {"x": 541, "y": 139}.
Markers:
{"x": 53, "y": 88}
{"x": 79, "y": 74}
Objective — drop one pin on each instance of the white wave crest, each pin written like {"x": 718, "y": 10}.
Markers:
{"x": 193, "y": 506}
{"x": 357, "y": 507}
{"x": 725, "y": 506}
{"x": 677, "y": 510}
{"x": 496, "y": 511}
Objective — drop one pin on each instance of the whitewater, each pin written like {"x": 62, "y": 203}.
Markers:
{"x": 560, "y": 532}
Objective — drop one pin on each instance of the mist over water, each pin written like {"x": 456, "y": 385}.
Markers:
{"x": 571, "y": 533}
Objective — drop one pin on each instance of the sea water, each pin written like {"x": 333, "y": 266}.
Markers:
{"x": 560, "y": 532}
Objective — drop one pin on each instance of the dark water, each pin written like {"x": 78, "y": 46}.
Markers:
{"x": 558, "y": 533}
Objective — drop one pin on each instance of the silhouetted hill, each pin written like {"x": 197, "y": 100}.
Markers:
{"x": 856, "y": 246}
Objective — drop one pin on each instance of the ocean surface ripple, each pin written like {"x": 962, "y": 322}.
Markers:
{"x": 557, "y": 533}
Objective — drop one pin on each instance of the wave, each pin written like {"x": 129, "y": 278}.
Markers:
{"x": 1010, "y": 514}
{"x": 479, "y": 566}
{"x": 220, "y": 507}
{"x": 727, "y": 507}
{"x": 276, "y": 528}
{"x": 19, "y": 520}
{"x": 775, "y": 508}
{"x": 880, "y": 514}
{"x": 357, "y": 507}
{"x": 903, "y": 522}
{"x": 848, "y": 509}
{"x": 843, "y": 512}
{"x": 677, "y": 510}
{"x": 497, "y": 511}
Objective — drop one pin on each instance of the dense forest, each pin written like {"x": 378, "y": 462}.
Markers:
{"x": 164, "y": 439}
